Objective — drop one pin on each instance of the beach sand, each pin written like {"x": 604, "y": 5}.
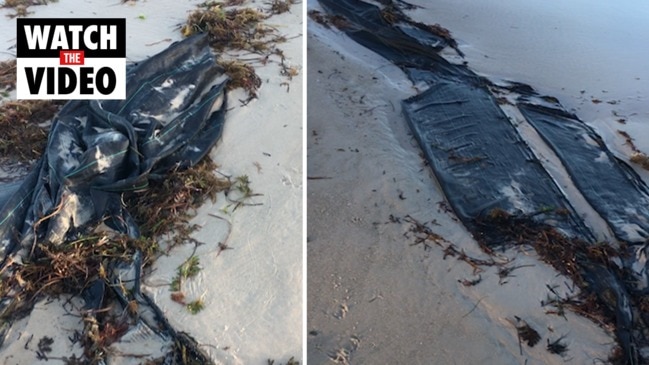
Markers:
{"x": 373, "y": 296}
{"x": 253, "y": 291}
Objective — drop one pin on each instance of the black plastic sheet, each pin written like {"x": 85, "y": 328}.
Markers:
{"x": 482, "y": 163}
{"x": 611, "y": 187}
{"x": 173, "y": 115}
{"x": 480, "y": 160}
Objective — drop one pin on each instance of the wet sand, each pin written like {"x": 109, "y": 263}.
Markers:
{"x": 373, "y": 297}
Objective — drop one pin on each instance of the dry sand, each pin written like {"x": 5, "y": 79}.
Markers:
{"x": 372, "y": 296}
{"x": 253, "y": 292}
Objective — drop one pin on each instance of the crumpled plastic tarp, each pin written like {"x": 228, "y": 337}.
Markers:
{"x": 173, "y": 115}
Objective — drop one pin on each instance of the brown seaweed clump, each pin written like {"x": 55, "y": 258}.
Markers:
{"x": 24, "y": 124}
{"x": 235, "y": 28}
{"x": 7, "y": 75}
{"x": 24, "y": 128}
{"x": 242, "y": 75}
{"x": 167, "y": 205}
{"x": 281, "y": 6}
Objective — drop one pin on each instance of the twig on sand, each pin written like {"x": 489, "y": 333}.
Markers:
{"x": 557, "y": 346}
{"x": 474, "y": 307}
{"x": 505, "y": 272}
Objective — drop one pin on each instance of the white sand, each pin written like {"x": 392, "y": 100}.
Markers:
{"x": 373, "y": 298}
{"x": 253, "y": 292}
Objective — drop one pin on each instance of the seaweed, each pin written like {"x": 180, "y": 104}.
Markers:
{"x": 327, "y": 20}
{"x": 290, "y": 361}
{"x": 238, "y": 28}
{"x": 526, "y": 333}
{"x": 8, "y": 75}
{"x": 24, "y": 128}
{"x": 558, "y": 346}
{"x": 281, "y": 6}
{"x": 20, "y": 6}
{"x": 167, "y": 205}
{"x": 241, "y": 29}
{"x": 188, "y": 269}
{"x": 242, "y": 75}
{"x": 195, "y": 306}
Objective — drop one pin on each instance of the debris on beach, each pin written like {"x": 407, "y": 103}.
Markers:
{"x": 25, "y": 121}
{"x": 526, "y": 333}
{"x": 21, "y": 6}
{"x": 281, "y": 6}
{"x": 114, "y": 184}
{"x": 230, "y": 27}
{"x": 66, "y": 230}
{"x": 497, "y": 186}
{"x": 7, "y": 75}
{"x": 641, "y": 159}
{"x": 637, "y": 157}
{"x": 557, "y": 346}
{"x": 238, "y": 28}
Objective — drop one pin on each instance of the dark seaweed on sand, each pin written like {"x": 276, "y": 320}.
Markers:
{"x": 558, "y": 346}
{"x": 526, "y": 333}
